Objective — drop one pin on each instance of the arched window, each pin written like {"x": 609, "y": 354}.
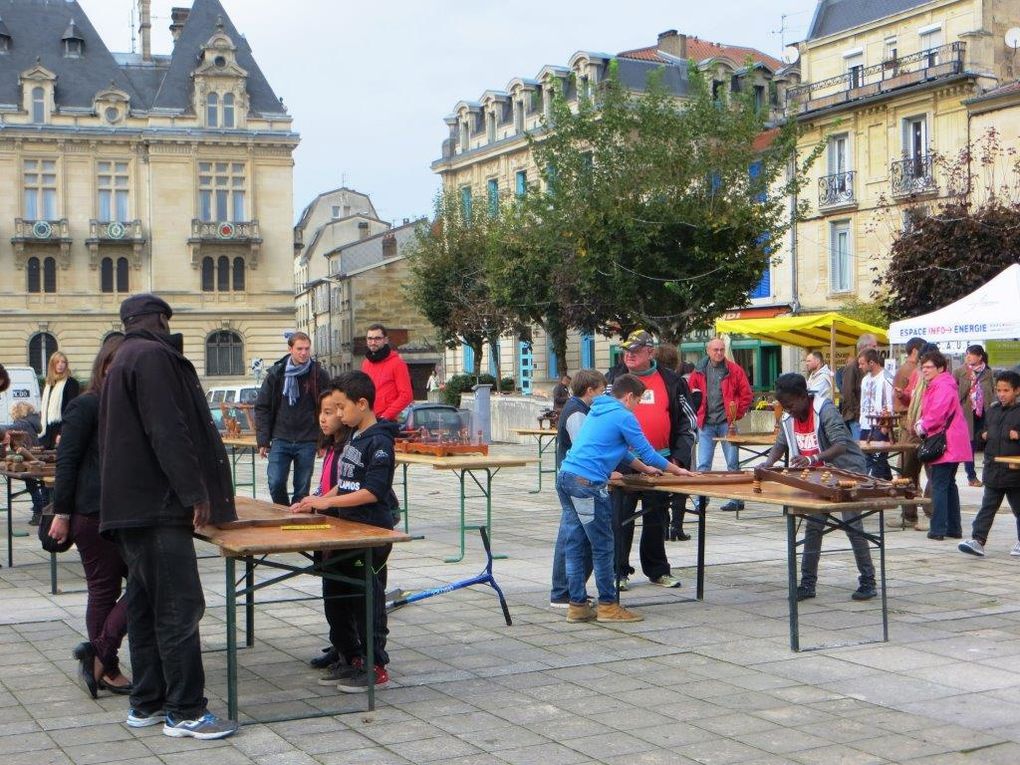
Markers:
{"x": 224, "y": 354}
{"x": 40, "y": 348}
{"x": 32, "y": 271}
{"x": 38, "y": 105}
{"x": 122, "y": 275}
{"x": 212, "y": 109}
{"x": 223, "y": 274}
{"x": 238, "y": 274}
{"x": 49, "y": 280}
{"x": 106, "y": 275}
{"x": 228, "y": 110}
{"x": 208, "y": 276}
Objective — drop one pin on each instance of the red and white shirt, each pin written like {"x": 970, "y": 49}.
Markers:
{"x": 806, "y": 435}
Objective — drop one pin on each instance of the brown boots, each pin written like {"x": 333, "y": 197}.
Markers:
{"x": 606, "y": 612}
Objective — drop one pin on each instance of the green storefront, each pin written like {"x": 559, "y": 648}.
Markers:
{"x": 760, "y": 359}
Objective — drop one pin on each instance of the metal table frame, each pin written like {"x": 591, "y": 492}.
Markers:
{"x": 544, "y": 438}
{"x": 237, "y": 453}
{"x": 9, "y": 509}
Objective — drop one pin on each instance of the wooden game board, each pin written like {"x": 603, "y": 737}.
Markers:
{"x": 708, "y": 478}
{"x": 834, "y": 484}
{"x": 440, "y": 448}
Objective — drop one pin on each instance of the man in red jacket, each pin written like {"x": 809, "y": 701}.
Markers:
{"x": 726, "y": 397}
{"x": 389, "y": 373}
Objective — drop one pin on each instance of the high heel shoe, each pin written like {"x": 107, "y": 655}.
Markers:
{"x": 86, "y": 656}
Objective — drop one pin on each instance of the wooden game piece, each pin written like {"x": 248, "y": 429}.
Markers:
{"x": 846, "y": 484}
{"x": 756, "y": 486}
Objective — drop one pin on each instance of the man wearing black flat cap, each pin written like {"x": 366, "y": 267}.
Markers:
{"x": 164, "y": 473}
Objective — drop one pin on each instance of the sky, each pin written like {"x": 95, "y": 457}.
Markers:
{"x": 368, "y": 84}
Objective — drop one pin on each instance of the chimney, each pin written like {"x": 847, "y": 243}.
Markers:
{"x": 673, "y": 43}
{"x": 144, "y": 27}
{"x": 178, "y": 18}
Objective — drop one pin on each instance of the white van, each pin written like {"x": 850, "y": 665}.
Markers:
{"x": 24, "y": 387}
{"x": 232, "y": 394}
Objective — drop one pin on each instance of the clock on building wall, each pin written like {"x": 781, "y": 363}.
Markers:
{"x": 42, "y": 229}
{"x": 226, "y": 230}
{"x": 115, "y": 230}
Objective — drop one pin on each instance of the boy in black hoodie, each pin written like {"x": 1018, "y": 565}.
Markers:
{"x": 1002, "y": 438}
{"x": 363, "y": 492}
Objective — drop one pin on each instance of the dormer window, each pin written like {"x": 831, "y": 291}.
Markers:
{"x": 228, "y": 110}
{"x": 212, "y": 110}
{"x": 5, "y": 38}
{"x": 74, "y": 43}
{"x": 38, "y": 105}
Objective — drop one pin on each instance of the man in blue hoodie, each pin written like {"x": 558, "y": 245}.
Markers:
{"x": 609, "y": 431}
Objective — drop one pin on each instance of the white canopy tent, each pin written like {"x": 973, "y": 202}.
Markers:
{"x": 991, "y": 312}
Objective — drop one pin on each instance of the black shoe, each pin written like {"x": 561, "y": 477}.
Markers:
{"x": 864, "y": 592}
{"x": 938, "y": 537}
{"x": 732, "y": 506}
{"x": 36, "y": 517}
{"x": 120, "y": 690}
{"x": 328, "y": 658}
{"x": 805, "y": 593}
{"x": 86, "y": 656}
{"x": 955, "y": 536}
{"x": 678, "y": 535}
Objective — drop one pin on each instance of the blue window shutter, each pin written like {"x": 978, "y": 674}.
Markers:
{"x": 521, "y": 183}
{"x": 764, "y": 288}
{"x": 465, "y": 203}
{"x": 587, "y": 351}
{"x": 492, "y": 188}
{"x": 469, "y": 359}
{"x": 554, "y": 371}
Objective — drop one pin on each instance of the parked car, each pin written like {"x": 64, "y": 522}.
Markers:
{"x": 438, "y": 419}
{"x": 232, "y": 394}
{"x": 24, "y": 387}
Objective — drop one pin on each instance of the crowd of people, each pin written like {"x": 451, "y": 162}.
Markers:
{"x": 140, "y": 466}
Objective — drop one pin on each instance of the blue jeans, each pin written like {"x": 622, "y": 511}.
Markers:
{"x": 945, "y": 498}
{"x": 854, "y": 427}
{"x": 706, "y": 446}
{"x": 878, "y": 463}
{"x": 281, "y": 455}
{"x": 560, "y": 590}
{"x": 588, "y": 521}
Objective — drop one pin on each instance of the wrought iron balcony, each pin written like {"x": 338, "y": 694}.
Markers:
{"x": 836, "y": 190}
{"x": 913, "y": 175}
{"x": 859, "y": 83}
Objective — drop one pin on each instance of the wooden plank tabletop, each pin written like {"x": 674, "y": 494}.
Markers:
{"x": 534, "y": 431}
{"x": 1006, "y": 460}
{"x": 769, "y": 439}
{"x": 341, "y": 534}
{"x": 778, "y": 494}
{"x": 241, "y": 441}
{"x": 467, "y": 462}
{"x": 751, "y": 439}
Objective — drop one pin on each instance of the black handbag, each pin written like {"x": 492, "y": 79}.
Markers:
{"x": 933, "y": 447}
{"x": 49, "y": 544}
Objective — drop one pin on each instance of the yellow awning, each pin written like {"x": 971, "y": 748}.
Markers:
{"x": 813, "y": 331}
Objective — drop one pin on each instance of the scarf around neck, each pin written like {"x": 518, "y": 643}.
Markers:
{"x": 378, "y": 355}
{"x": 53, "y": 397}
{"x": 291, "y": 390}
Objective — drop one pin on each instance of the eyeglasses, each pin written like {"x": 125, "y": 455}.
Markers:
{"x": 374, "y": 338}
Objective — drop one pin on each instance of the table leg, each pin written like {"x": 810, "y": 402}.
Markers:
{"x": 700, "y": 584}
{"x": 231, "y": 608}
{"x": 539, "y": 489}
{"x": 10, "y": 525}
{"x": 370, "y": 626}
{"x": 457, "y": 559}
{"x": 488, "y": 507}
{"x": 53, "y": 573}
{"x": 407, "y": 519}
{"x": 791, "y": 574}
{"x": 249, "y": 602}
{"x": 881, "y": 563}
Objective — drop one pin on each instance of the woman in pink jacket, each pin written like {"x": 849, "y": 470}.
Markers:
{"x": 940, "y": 411}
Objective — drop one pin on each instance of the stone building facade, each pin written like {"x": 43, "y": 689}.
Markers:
{"x": 487, "y": 157}
{"x": 134, "y": 172}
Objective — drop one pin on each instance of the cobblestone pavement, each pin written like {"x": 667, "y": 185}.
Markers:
{"x": 712, "y": 682}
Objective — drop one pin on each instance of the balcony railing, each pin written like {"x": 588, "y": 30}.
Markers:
{"x": 836, "y": 190}
{"x": 116, "y": 231}
{"x": 41, "y": 230}
{"x": 932, "y": 64}
{"x": 242, "y": 232}
{"x": 913, "y": 175}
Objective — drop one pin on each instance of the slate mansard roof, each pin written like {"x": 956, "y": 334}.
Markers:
{"x": 37, "y": 26}
{"x": 832, "y": 16}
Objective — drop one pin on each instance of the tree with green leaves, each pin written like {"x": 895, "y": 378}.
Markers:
{"x": 449, "y": 281}
{"x": 657, "y": 212}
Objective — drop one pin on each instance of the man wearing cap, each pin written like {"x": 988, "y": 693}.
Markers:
{"x": 667, "y": 421}
{"x": 726, "y": 397}
{"x": 164, "y": 473}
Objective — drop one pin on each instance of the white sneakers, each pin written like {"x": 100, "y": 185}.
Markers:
{"x": 973, "y": 547}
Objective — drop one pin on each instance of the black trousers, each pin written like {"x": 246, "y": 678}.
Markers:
{"x": 990, "y": 504}
{"x": 654, "y": 524}
{"x": 344, "y": 604}
{"x": 165, "y": 606}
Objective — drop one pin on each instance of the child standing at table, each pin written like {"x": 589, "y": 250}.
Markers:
{"x": 361, "y": 479}
{"x": 608, "y": 432}
{"x": 1002, "y": 438}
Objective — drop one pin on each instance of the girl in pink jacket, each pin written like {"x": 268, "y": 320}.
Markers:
{"x": 940, "y": 411}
